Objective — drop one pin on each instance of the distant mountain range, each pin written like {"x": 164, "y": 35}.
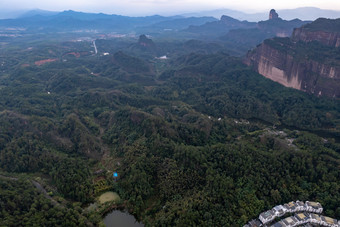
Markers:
{"x": 242, "y": 40}
{"x": 240, "y": 36}
{"x": 37, "y": 12}
{"x": 66, "y": 21}
{"x": 303, "y": 13}
{"x": 221, "y": 27}
{"x": 236, "y": 35}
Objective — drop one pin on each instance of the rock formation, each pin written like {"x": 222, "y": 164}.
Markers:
{"x": 146, "y": 42}
{"x": 313, "y": 67}
{"x": 306, "y": 75}
{"x": 323, "y": 30}
{"x": 273, "y": 15}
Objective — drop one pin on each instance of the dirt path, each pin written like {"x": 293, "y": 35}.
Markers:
{"x": 8, "y": 178}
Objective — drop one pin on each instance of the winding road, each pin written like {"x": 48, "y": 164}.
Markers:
{"x": 95, "y": 47}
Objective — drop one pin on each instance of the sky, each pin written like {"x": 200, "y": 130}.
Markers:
{"x": 163, "y": 7}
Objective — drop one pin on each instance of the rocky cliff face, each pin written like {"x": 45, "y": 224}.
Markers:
{"x": 323, "y": 30}
{"x": 325, "y": 37}
{"x": 303, "y": 74}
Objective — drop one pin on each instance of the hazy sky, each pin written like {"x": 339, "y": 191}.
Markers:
{"x": 147, "y": 7}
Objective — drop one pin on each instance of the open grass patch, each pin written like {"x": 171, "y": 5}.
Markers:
{"x": 108, "y": 197}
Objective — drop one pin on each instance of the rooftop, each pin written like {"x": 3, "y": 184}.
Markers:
{"x": 299, "y": 203}
{"x": 329, "y": 220}
{"x": 304, "y": 214}
{"x": 267, "y": 214}
{"x": 315, "y": 205}
{"x": 315, "y": 216}
{"x": 291, "y": 204}
{"x": 279, "y": 208}
{"x": 301, "y": 217}
{"x": 278, "y": 224}
{"x": 290, "y": 221}
{"x": 254, "y": 223}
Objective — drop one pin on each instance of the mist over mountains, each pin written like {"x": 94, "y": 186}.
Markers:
{"x": 303, "y": 13}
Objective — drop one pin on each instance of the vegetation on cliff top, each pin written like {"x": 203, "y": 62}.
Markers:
{"x": 323, "y": 24}
{"x": 302, "y": 51}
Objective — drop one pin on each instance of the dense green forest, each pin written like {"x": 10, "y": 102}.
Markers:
{"x": 197, "y": 139}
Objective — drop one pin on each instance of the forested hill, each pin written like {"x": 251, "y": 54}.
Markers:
{"x": 72, "y": 21}
{"x": 197, "y": 139}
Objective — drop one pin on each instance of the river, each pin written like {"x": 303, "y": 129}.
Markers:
{"x": 118, "y": 219}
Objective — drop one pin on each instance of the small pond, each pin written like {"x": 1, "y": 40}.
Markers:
{"x": 118, "y": 219}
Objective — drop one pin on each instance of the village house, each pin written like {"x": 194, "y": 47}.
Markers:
{"x": 306, "y": 214}
{"x": 290, "y": 221}
{"x": 302, "y": 218}
{"x": 314, "y": 207}
{"x": 315, "y": 219}
{"x": 267, "y": 216}
{"x": 291, "y": 207}
{"x": 279, "y": 210}
{"x": 300, "y": 206}
{"x": 327, "y": 221}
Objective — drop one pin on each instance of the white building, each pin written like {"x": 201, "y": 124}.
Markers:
{"x": 314, "y": 207}
{"x": 290, "y": 221}
{"x": 327, "y": 221}
{"x": 267, "y": 216}
{"x": 279, "y": 210}
{"x": 291, "y": 207}
{"x": 300, "y": 206}
{"x": 302, "y": 218}
{"x": 315, "y": 219}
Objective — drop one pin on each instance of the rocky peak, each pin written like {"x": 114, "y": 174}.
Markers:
{"x": 145, "y": 41}
{"x": 227, "y": 19}
{"x": 273, "y": 15}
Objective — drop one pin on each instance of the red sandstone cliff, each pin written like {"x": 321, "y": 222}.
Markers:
{"x": 302, "y": 74}
{"x": 325, "y": 37}
{"x": 323, "y": 30}
{"x": 308, "y": 61}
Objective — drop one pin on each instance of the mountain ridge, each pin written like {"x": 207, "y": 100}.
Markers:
{"x": 307, "y": 61}
{"x": 303, "y": 13}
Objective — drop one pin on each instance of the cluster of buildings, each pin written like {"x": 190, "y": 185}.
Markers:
{"x": 303, "y": 214}
{"x": 291, "y": 207}
{"x": 307, "y": 219}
